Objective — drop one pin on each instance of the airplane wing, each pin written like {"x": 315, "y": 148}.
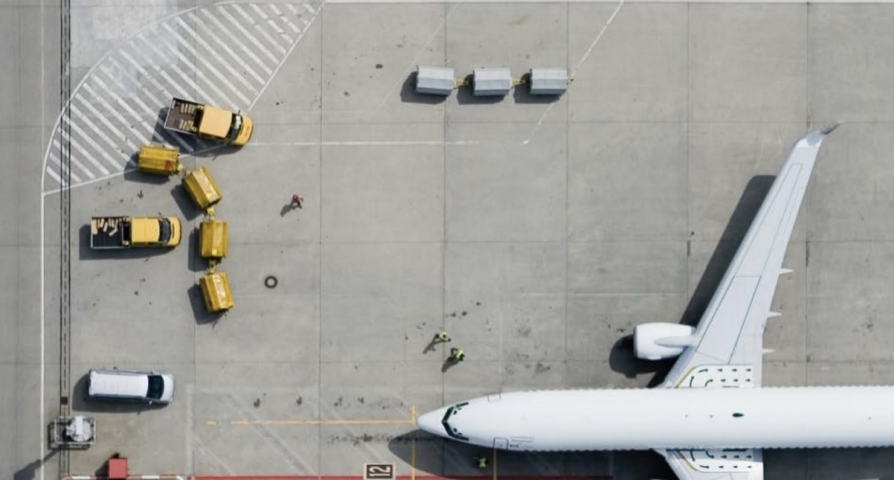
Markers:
{"x": 728, "y": 342}
{"x": 710, "y": 464}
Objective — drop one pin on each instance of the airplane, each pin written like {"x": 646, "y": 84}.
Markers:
{"x": 709, "y": 418}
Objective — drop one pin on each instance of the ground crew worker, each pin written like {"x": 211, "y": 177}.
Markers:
{"x": 482, "y": 462}
{"x": 296, "y": 200}
{"x": 457, "y": 354}
{"x": 442, "y": 336}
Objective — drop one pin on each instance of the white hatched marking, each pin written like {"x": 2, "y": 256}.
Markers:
{"x": 120, "y": 101}
{"x": 77, "y": 148}
{"x": 253, "y": 22}
{"x": 201, "y": 76}
{"x": 92, "y": 142}
{"x": 309, "y": 8}
{"x": 153, "y": 114}
{"x": 257, "y": 9}
{"x": 142, "y": 70}
{"x": 224, "y": 100}
{"x": 213, "y": 70}
{"x": 279, "y": 16}
{"x": 223, "y": 62}
{"x": 247, "y": 35}
{"x": 292, "y": 8}
{"x": 242, "y": 46}
{"x": 62, "y": 169}
{"x": 176, "y": 88}
{"x": 105, "y": 120}
{"x": 54, "y": 175}
{"x": 291, "y": 25}
{"x": 260, "y": 28}
{"x": 278, "y": 67}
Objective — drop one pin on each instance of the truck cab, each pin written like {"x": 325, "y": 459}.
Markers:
{"x": 107, "y": 233}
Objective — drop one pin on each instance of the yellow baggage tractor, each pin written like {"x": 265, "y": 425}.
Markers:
{"x": 201, "y": 188}
{"x": 159, "y": 160}
{"x": 216, "y": 292}
{"x": 213, "y": 239}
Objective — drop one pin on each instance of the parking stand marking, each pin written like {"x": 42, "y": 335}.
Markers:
{"x": 120, "y": 102}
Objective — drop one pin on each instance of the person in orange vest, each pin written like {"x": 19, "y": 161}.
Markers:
{"x": 297, "y": 200}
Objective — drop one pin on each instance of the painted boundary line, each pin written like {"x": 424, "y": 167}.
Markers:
{"x": 744, "y": 2}
{"x": 403, "y": 477}
{"x": 341, "y": 477}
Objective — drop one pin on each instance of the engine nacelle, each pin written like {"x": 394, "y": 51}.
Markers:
{"x": 657, "y": 341}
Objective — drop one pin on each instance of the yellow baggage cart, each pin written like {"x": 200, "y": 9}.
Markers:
{"x": 159, "y": 160}
{"x": 213, "y": 239}
{"x": 216, "y": 292}
{"x": 202, "y": 188}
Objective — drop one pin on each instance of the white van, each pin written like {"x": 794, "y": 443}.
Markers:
{"x": 123, "y": 385}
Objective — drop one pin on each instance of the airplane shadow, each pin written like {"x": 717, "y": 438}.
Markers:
{"x": 621, "y": 357}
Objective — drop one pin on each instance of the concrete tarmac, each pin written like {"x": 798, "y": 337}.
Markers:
{"x": 537, "y": 232}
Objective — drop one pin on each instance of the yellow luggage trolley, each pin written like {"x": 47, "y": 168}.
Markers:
{"x": 216, "y": 292}
{"x": 202, "y": 189}
{"x": 159, "y": 160}
{"x": 213, "y": 239}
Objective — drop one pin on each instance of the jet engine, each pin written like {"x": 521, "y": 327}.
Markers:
{"x": 657, "y": 341}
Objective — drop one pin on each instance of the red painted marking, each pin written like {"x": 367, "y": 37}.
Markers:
{"x": 403, "y": 477}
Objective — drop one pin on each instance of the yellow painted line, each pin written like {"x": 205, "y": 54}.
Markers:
{"x": 311, "y": 422}
{"x": 495, "y": 464}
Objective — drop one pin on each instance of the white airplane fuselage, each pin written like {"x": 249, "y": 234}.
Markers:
{"x": 674, "y": 418}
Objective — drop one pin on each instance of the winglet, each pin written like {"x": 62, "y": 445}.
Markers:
{"x": 815, "y": 137}
{"x": 830, "y": 128}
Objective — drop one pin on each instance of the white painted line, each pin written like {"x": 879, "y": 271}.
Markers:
{"x": 258, "y": 10}
{"x": 260, "y": 28}
{"x": 74, "y": 158}
{"x": 267, "y": 70}
{"x": 154, "y": 114}
{"x": 224, "y": 99}
{"x": 362, "y": 143}
{"x": 254, "y": 23}
{"x": 283, "y": 62}
{"x": 598, "y": 37}
{"x": 142, "y": 70}
{"x": 62, "y": 169}
{"x": 251, "y": 38}
{"x": 291, "y": 25}
{"x": 310, "y": 9}
{"x": 292, "y": 8}
{"x": 793, "y": 2}
{"x": 176, "y": 88}
{"x": 102, "y": 151}
{"x": 204, "y": 65}
{"x": 104, "y": 118}
{"x": 43, "y": 62}
{"x": 120, "y": 101}
{"x": 54, "y": 175}
{"x": 274, "y": 20}
{"x": 236, "y": 58}
{"x": 574, "y": 71}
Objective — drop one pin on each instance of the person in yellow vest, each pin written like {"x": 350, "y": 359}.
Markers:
{"x": 457, "y": 354}
{"x": 482, "y": 462}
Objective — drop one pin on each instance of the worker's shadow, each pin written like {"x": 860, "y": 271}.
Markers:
{"x": 622, "y": 358}
{"x": 289, "y": 207}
